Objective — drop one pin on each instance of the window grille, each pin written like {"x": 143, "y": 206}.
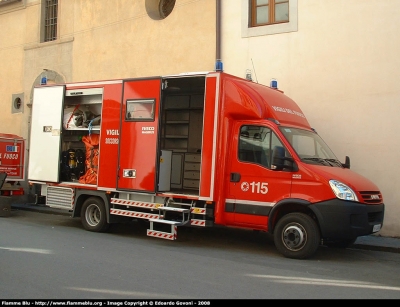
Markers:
{"x": 50, "y": 20}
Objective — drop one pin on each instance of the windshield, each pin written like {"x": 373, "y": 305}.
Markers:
{"x": 310, "y": 147}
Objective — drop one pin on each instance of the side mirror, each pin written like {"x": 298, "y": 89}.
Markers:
{"x": 346, "y": 164}
{"x": 278, "y": 158}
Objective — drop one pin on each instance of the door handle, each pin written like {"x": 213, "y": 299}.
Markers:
{"x": 235, "y": 177}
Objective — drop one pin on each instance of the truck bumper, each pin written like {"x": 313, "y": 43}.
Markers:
{"x": 341, "y": 220}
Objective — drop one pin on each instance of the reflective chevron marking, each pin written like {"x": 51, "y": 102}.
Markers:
{"x": 198, "y": 223}
{"x": 132, "y": 203}
{"x": 141, "y": 215}
{"x": 162, "y": 235}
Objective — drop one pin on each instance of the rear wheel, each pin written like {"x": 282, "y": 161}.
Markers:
{"x": 93, "y": 215}
{"x": 297, "y": 236}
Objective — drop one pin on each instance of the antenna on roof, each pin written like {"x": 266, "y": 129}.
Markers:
{"x": 254, "y": 70}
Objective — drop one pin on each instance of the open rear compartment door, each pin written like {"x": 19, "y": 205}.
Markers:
{"x": 45, "y": 136}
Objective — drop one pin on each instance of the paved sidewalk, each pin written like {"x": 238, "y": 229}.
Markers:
{"x": 379, "y": 243}
{"x": 371, "y": 242}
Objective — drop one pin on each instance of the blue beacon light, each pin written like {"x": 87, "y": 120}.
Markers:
{"x": 219, "y": 66}
{"x": 274, "y": 84}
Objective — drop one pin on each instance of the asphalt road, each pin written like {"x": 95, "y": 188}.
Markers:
{"x": 45, "y": 256}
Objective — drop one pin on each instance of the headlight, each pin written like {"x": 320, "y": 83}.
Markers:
{"x": 342, "y": 191}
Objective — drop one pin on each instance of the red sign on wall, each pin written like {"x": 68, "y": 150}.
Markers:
{"x": 12, "y": 156}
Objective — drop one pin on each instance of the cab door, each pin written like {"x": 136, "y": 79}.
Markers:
{"x": 139, "y": 130}
{"x": 253, "y": 187}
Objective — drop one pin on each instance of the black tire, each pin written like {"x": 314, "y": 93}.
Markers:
{"x": 297, "y": 236}
{"x": 340, "y": 243}
{"x": 93, "y": 215}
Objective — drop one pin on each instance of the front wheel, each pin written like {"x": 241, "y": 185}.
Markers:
{"x": 93, "y": 215}
{"x": 297, "y": 236}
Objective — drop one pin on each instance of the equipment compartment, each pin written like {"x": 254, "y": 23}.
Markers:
{"x": 79, "y": 140}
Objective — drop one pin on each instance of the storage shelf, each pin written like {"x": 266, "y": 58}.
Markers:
{"x": 182, "y": 117}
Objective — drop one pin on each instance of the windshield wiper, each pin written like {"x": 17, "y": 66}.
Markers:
{"x": 319, "y": 160}
{"x": 334, "y": 162}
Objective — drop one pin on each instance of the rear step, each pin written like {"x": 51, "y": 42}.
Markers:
{"x": 171, "y": 216}
{"x": 172, "y": 235}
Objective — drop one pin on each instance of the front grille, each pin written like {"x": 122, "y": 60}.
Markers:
{"x": 372, "y": 197}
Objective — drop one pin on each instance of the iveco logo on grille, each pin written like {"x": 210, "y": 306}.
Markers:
{"x": 374, "y": 196}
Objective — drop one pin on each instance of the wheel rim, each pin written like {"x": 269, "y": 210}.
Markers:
{"x": 93, "y": 215}
{"x": 294, "y": 237}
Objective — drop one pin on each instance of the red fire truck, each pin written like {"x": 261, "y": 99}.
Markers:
{"x": 199, "y": 150}
{"x": 12, "y": 170}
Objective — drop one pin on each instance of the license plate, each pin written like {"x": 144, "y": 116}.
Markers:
{"x": 376, "y": 228}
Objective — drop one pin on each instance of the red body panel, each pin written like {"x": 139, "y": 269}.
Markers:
{"x": 207, "y": 183}
{"x": 138, "y": 139}
{"x": 311, "y": 182}
{"x": 109, "y": 136}
{"x": 245, "y": 99}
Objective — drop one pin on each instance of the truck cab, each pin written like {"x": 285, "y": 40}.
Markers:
{"x": 283, "y": 178}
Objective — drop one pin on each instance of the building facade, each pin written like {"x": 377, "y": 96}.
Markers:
{"x": 79, "y": 40}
